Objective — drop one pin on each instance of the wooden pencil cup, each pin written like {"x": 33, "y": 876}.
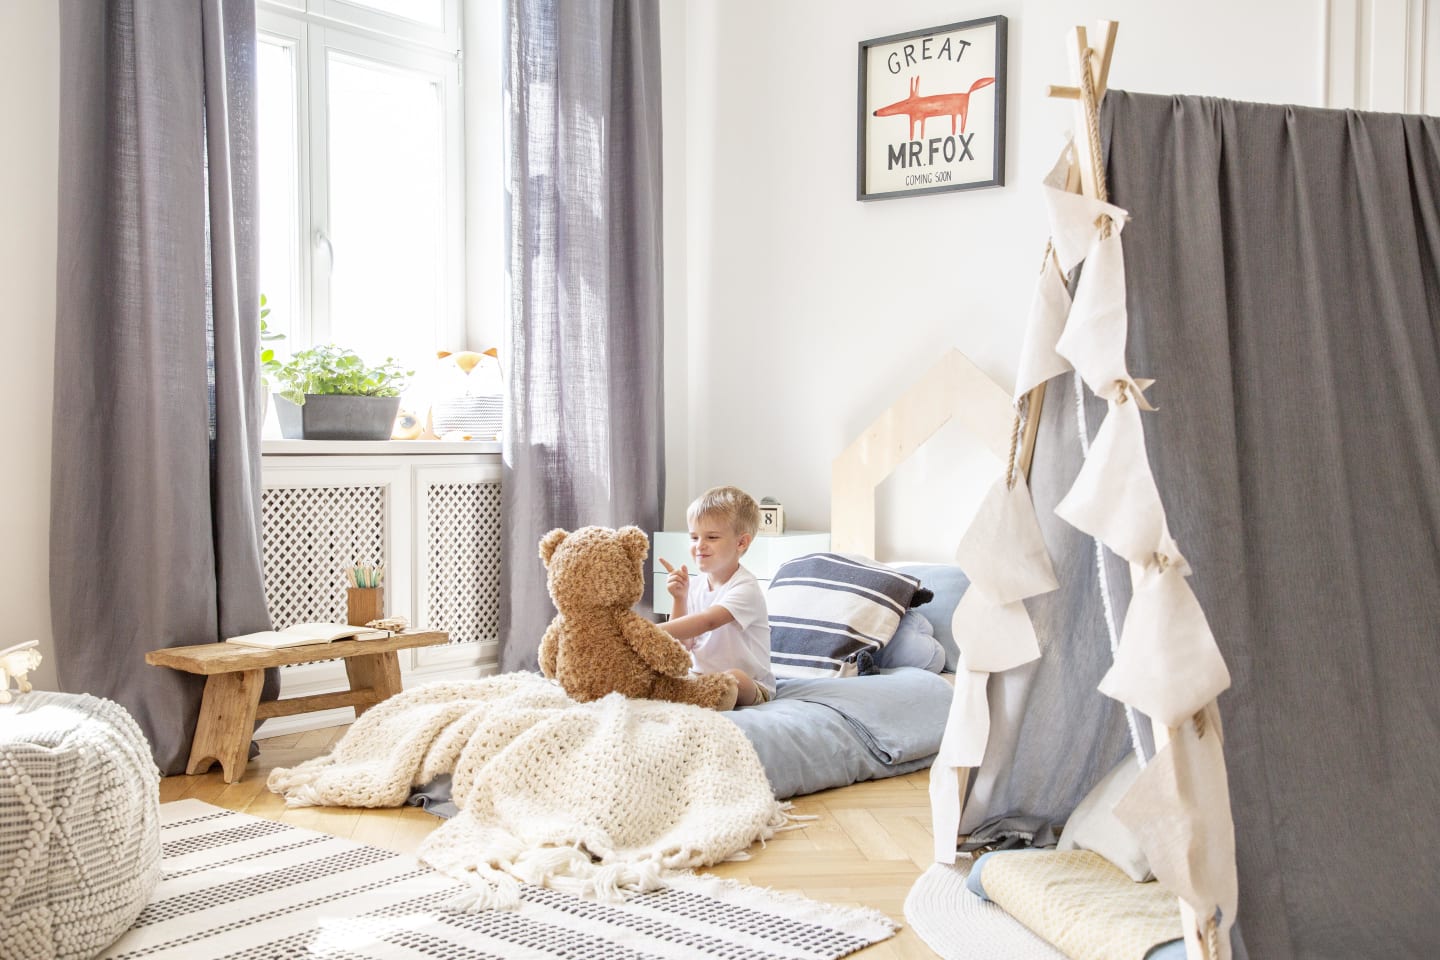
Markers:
{"x": 364, "y": 604}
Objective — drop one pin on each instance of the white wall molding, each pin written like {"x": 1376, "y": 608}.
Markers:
{"x": 1425, "y": 79}
{"x": 1382, "y": 55}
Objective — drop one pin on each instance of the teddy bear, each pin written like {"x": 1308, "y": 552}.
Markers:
{"x": 597, "y": 644}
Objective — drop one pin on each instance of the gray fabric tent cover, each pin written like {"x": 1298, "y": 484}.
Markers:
{"x": 1283, "y": 276}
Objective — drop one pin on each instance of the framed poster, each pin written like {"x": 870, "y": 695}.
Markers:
{"x": 932, "y": 110}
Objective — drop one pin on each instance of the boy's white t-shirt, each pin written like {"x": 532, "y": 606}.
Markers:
{"x": 741, "y": 644}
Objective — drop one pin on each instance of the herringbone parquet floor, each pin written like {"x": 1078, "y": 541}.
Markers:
{"x": 869, "y": 843}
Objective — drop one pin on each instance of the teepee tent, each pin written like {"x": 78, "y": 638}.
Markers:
{"x": 1248, "y": 545}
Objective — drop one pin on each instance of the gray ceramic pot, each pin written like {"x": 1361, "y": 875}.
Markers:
{"x": 336, "y": 417}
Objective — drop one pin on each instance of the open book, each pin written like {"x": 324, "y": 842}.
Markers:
{"x": 305, "y": 633}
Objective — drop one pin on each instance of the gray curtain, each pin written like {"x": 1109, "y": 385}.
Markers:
{"x": 1283, "y": 277}
{"x": 584, "y": 429}
{"x": 155, "y": 521}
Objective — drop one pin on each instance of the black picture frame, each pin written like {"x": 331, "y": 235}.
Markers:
{"x": 969, "y": 56}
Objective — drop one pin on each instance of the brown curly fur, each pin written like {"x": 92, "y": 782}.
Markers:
{"x": 596, "y": 644}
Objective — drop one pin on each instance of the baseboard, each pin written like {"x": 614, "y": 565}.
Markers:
{"x": 330, "y": 678}
{"x": 301, "y": 722}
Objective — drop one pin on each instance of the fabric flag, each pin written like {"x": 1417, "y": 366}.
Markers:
{"x": 1168, "y": 666}
{"x": 1114, "y": 498}
{"x": 1048, "y": 309}
{"x": 1179, "y": 811}
{"x": 994, "y": 637}
{"x": 967, "y": 730}
{"x": 1003, "y": 551}
{"x": 1074, "y": 217}
{"x": 1094, "y": 337}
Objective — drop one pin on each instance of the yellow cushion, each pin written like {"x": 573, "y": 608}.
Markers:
{"x": 1083, "y": 904}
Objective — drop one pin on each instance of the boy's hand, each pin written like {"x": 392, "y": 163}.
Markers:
{"x": 677, "y": 584}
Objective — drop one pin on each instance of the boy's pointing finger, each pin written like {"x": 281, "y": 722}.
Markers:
{"x": 666, "y": 564}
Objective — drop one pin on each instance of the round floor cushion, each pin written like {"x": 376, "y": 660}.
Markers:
{"x": 79, "y": 825}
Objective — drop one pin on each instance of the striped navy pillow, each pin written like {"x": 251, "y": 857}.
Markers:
{"x": 827, "y": 609}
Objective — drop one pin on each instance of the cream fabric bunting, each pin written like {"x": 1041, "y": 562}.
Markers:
{"x": 993, "y": 636}
{"x": 1114, "y": 498}
{"x": 1168, "y": 666}
{"x": 1179, "y": 811}
{"x": 967, "y": 731}
{"x": 1094, "y": 337}
{"x": 1048, "y": 308}
{"x": 1074, "y": 218}
{"x": 1003, "y": 551}
{"x": 1167, "y": 663}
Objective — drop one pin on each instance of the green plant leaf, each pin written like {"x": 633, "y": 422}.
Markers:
{"x": 330, "y": 370}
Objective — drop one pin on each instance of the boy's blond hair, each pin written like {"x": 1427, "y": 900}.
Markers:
{"x": 733, "y": 504}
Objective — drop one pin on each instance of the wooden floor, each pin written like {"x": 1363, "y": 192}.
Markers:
{"x": 869, "y": 844}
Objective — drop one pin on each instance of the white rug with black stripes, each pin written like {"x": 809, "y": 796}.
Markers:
{"x": 242, "y": 888}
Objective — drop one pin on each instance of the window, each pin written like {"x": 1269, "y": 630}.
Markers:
{"x": 361, "y": 182}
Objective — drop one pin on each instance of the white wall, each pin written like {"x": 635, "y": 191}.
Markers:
{"x": 29, "y": 184}
{"x": 805, "y": 312}
{"x": 782, "y": 343}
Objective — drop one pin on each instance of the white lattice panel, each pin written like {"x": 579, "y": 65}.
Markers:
{"x": 462, "y": 560}
{"x": 311, "y": 535}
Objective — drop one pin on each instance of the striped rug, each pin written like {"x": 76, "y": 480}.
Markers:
{"x": 242, "y": 888}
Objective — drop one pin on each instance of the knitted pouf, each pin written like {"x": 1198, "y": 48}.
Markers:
{"x": 79, "y": 825}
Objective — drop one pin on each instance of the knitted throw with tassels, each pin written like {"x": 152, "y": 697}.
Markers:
{"x": 596, "y": 798}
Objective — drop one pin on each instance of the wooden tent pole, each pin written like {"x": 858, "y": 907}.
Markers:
{"x": 1090, "y": 177}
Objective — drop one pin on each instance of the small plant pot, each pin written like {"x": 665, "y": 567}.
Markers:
{"x": 337, "y": 417}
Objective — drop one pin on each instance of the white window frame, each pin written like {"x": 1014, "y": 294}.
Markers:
{"x": 311, "y": 28}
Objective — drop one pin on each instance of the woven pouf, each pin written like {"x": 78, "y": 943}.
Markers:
{"x": 79, "y": 825}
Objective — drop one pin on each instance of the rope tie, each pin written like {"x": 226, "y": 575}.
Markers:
{"x": 1092, "y": 123}
{"x": 1010, "y": 476}
{"x": 1212, "y": 939}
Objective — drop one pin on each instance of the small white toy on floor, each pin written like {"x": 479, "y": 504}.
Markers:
{"x": 15, "y": 663}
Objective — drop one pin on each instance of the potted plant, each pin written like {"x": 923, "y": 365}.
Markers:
{"x": 330, "y": 393}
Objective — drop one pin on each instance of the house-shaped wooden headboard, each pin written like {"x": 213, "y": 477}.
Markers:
{"x": 953, "y": 389}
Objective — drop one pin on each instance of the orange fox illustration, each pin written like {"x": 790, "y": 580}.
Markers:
{"x": 936, "y": 105}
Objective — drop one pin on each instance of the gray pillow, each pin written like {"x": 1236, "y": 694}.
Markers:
{"x": 914, "y": 645}
{"x": 1094, "y": 827}
{"x": 949, "y": 584}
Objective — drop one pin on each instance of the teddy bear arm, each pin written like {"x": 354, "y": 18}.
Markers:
{"x": 660, "y": 651}
{"x": 550, "y": 648}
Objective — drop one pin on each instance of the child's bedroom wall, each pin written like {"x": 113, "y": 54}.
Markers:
{"x": 29, "y": 182}
{"x": 796, "y": 314}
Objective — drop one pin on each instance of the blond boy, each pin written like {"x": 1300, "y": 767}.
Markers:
{"x": 720, "y": 615}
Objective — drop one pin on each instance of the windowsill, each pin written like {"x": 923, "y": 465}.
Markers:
{"x": 313, "y": 448}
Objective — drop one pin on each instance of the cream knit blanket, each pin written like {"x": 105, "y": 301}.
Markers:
{"x": 594, "y": 798}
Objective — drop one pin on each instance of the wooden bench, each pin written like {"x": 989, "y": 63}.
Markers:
{"x": 233, "y": 676}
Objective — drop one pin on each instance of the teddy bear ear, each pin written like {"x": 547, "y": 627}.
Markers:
{"x": 549, "y": 542}
{"x": 636, "y": 541}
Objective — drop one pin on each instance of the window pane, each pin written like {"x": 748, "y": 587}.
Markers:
{"x": 431, "y": 12}
{"x": 279, "y": 166}
{"x": 387, "y": 188}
